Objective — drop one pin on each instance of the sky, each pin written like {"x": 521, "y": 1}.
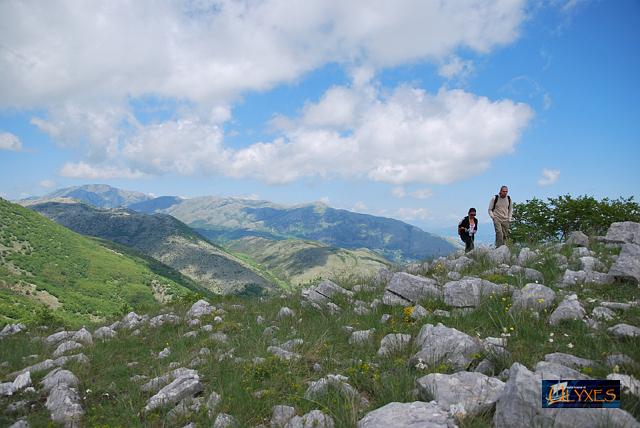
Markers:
{"x": 415, "y": 110}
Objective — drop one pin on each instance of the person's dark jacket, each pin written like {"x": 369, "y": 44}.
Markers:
{"x": 465, "y": 224}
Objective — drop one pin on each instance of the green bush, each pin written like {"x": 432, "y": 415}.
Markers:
{"x": 536, "y": 221}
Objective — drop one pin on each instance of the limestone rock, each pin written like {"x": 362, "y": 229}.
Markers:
{"x": 569, "y": 360}
{"x": 64, "y": 347}
{"x": 624, "y": 330}
{"x": 469, "y": 291}
{"x": 578, "y": 239}
{"x": 280, "y": 415}
{"x": 104, "y": 333}
{"x": 224, "y": 420}
{"x": 393, "y": 343}
{"x": 325, "y": 292}
{"x": 624, "y": 232}
{"x": 519, "y": 407}
{"x": 339, "y": 384}
{"x": 200, "y": 309}
{"x": 283, "y": 354}
{"x": 471, "y": 393}
{"x": 285, "y": 313}
{"x": 569, "y": 309}
{"x": 440, "y": 344}
{"x": 533, "y": 296}
{"x": 182, "y": 387}
{"x": 406, "y": 289}
{"x": 603, "y": 313}
{"x": 11, "y": 329}
{"x": 164, "y": 319}
{"x": 408, "y": 415}
{"x": 65, "y": 405}
{"x": 627, "y": 265}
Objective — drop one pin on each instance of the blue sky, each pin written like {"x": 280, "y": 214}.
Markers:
{"x": 416, "y": 110}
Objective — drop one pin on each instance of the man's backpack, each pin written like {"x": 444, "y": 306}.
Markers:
{"x": 495, "y": 201}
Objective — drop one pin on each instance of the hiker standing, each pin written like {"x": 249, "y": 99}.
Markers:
{"x": 467, "y": 229}
{"x": 501, "y": 211}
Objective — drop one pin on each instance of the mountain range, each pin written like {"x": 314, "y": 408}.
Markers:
{"x": 226, "y": 219}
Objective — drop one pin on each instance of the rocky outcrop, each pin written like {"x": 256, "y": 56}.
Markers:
{"x": 405, "y": 289}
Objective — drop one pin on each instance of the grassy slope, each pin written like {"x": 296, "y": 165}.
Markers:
{"x": 298, "y": 262}
{"x": 380, "y": 379}
{"x": 85, "y": 276}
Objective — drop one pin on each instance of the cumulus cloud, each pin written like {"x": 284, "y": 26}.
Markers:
{"x": 549, "y": 177}
{"x": 9, "y": 141}
{"x": 398, "y": 192}
{"x": 212, "y": 50}
{"x": 422, "y": 193}
{"x": 47, "y": 184}
{"x": 408, "y": 135}
{"x": 86, "y": 171}
{"x": 359, "y": 207}
{"x": 82, "y": 64}
{"x": 409, "y": 214}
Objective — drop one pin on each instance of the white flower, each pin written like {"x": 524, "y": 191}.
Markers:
{"x": 566, "y": 335}
{"x": 551, "y": 334}
{"x": 550, "y": 340}
{"x": 570, "y": 346}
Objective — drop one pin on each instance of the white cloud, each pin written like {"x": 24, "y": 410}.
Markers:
{"x": 211, "y": 50}
{"x": 422, "y": 193}
{"x": 398, "y": 192}
{"x": 47, "y": 184}
{"x": 9, "y": 141}
{"x": 405, "y": 136}
{"x": 83, "y": 64}
{"x": 86, "y": 171}
{"x": 359, "y": 207}
{"x": 325, "y": 200}
{"x": 456, "y": 67}
{"x": 549, "y": 177}
{"x": 408, "y": 214}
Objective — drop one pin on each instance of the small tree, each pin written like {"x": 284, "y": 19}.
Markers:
{"x": 538, "y": 221}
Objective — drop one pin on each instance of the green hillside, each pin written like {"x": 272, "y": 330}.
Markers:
{"x": 167, "y": 240}
{"x": 298, "y": 262}
{"x": 50, "y": 273}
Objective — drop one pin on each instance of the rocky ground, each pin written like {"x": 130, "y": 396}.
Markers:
{"x": 461, "y": 341}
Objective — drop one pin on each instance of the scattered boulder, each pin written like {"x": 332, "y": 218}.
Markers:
{"x": 283, "y": 354}
{"x": 440, "y": 344}
{"x": 65, "y": 347}
{"x": 569, "y": 309}
{"x": 362, "y": 337}
{"x": 519, "y": 407}
{"x": 58, "y": 337}
{"x": 569, "y": 360}
{"x": 393, "y": 343}
{"x": 164, "y": 319}
{"x": 200, "y": 309}
{"x": 526, "y": 256}
{"x": 465, "y": 393}
{"x": 224, "y": 420}
{"x": 469, "y": 291}
{"x": 410, "y": 415}
{"x": 603, "y": 313}
{"x": 184, "y": 386}
{"x": 280, "y": 415}
{"x": 578, "y": 239}
{"x": 11, "y": 329}
{"x": 104, "y": 333}
{"x": 499, "y": 255}
{"x": 285, "y": 313}
{"x": 338, "y": 383}
{"x": 406, "y": 289}
{"x": 313, "y": 419}
{"x": 624, "y": 330}
{"x": 624, "y": 232}
{"x": 533, "y": 296}
{"x": 324, "y": 292}
{"x": 628, "y": 384}
{"x": 528, "y": 273}
{"x": 65, "y": 405}
{"x": 627, "y": 265}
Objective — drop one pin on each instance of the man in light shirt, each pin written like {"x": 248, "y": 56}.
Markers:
{"x": 501, "y": 211}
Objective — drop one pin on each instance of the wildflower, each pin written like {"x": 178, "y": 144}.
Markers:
{"x": 511, "y": 328}
{"x": 570, "y": 345}
{"x": 616, "y": 368}
{"x": 541, "y": 300}
{"x": 551, "y": 334}
{"x": 550, "y": 340}
{"x": 566, "y": 335}
{"x": 504, "y": 329}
